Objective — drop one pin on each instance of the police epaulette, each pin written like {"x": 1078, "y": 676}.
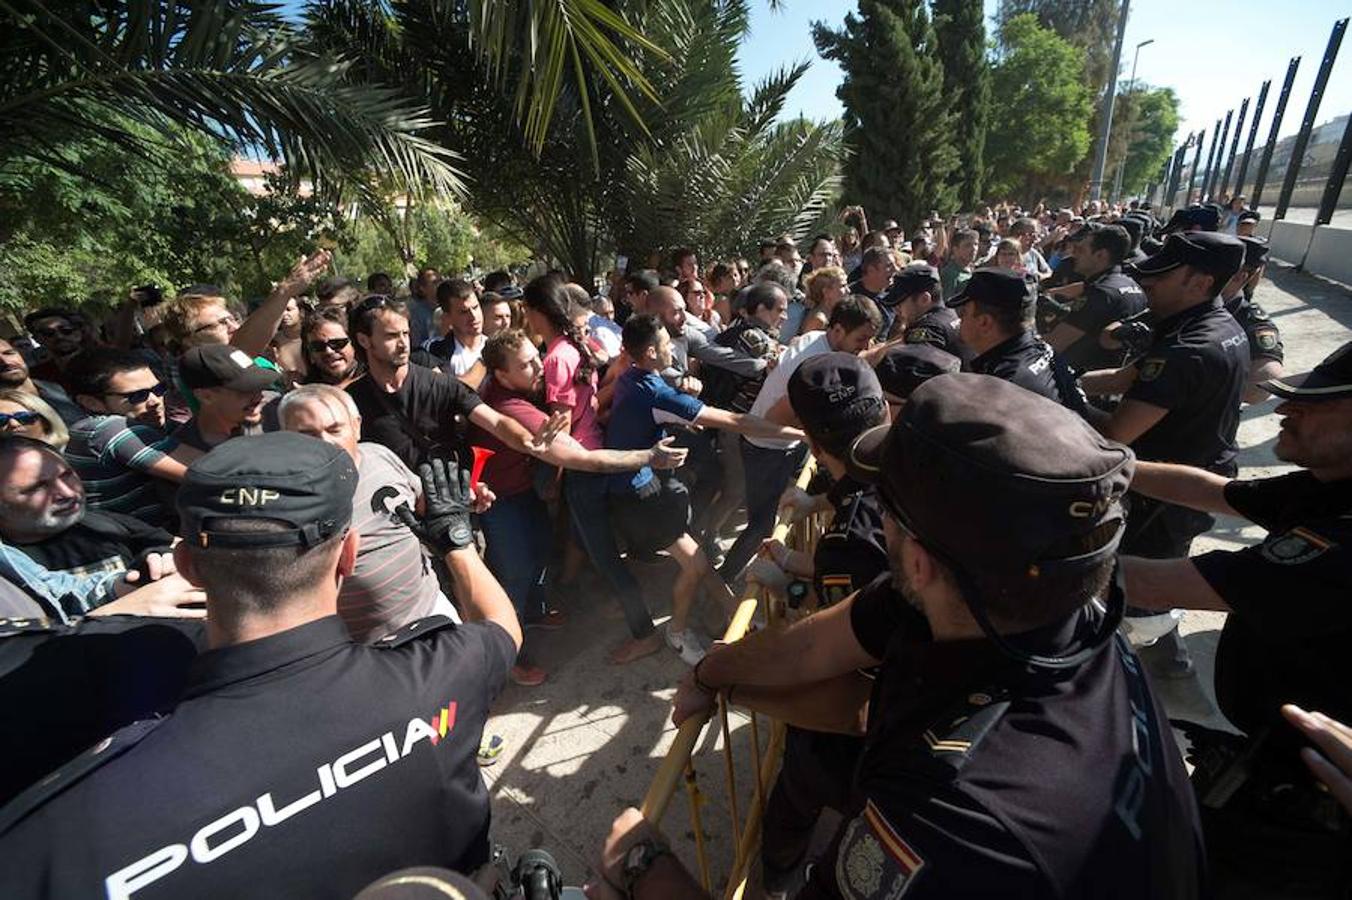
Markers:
{"x": 954, "y": 735}
{"x": 413, "y": 630}
{"x": 100, "y": 754}
{"x": 9, "y": 627}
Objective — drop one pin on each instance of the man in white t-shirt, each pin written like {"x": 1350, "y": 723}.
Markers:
{"x": 770, "y": 465}
{"x": 462, "y": 321}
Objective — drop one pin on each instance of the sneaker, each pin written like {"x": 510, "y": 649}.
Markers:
{"x": 527, "y": 676}
{"x": 490, "y": 749}
{"x": 550, "y": 620}
{"x": 687, "y": 644}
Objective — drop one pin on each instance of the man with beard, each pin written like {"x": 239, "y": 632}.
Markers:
{"x": 1270, "y": 830}
{"x": 44, "y": 516}
{"x": 231, "y": 388}
{"x": 62, "y": 335}
{"x": 1013, "y": 747}
{"x": 330, "y": 357}
{"x": 120, "y": 449}
{"x": 1108, "y": 296}
{"x": 14, "y": 375}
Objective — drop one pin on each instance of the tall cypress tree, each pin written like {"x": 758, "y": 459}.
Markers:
{"x": 961, "y": 29}
{"x": 897, "y": 119}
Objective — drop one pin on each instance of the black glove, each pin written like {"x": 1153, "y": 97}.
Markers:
{"x": 1135, "y": 336}
{"x": 448, "y": 500}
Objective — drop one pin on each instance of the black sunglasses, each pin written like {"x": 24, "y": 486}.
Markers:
{"x": 337, "y": 345}
{"x": 56, "y": 330}
{"x": 159, "y": 389}
{"x": 22, "y": 418}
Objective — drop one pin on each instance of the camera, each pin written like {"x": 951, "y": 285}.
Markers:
{"x": 535, "y": 876}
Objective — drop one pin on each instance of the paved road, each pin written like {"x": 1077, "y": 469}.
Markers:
{"x": 585, "y": 745}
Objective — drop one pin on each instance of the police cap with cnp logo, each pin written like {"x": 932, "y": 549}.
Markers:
{"x": 1216, "y": 253}
{"x": 1330, "y": 380}
{"x": 288, "y": 478}
{"x": 989, "y": 474}
{"x": 913, "y": 279}
{"x": 835, "y": 395}
{"x": 998, "y": 287}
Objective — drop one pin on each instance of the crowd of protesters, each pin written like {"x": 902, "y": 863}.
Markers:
{"x": 665, "y": 412}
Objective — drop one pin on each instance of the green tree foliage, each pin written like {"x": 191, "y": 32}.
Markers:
{"x": 1040, "y": 111}
{"x": 897, "y": 121}
{"x": 961, "y": 29}
{"x": 1090, "y": 25}
{"x": 1147, "y": 128}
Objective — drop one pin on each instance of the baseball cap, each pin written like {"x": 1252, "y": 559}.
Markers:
{"x": 283, "y": 476}
{"x": 221, "y": 365}
{"x": 510, "y": 292}
{"x": 1330, "y": 380}
{"x": 907, "y": 366}
{"x": 890, "y": 225}
{"x": 1255, "y": 251}
{"x": 1214, "y": 252}
{"x": 833, "y": 393}
{"x": 913, "y": 279}
{"x": 997, "y": 287}
{"x": 1249, "y": 215}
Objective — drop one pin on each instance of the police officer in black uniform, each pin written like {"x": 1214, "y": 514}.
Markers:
{"x": 905, "y": 367}
{"x": 995, "y": 311}
{"x": 836, "y": 397}
{"x": 1266, "y": 353}
{"x": 1180, "y": 403}
{"x": 297, "y": 763}
{"x": 930, "y": 322}
{"x": 1270, "y": 830}
{"x": 1107, "y": 296}
{"x": 1014, "y": 746}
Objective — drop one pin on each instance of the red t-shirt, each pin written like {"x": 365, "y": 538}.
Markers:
{"x": 507, "y": 472}
{"x": 561, "y": 363}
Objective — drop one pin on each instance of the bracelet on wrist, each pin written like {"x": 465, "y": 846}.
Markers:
{"x": 699, "y": 682}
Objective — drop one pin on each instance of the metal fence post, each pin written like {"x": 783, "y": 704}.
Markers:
{"x": 1196, "y": 167}
{"x": 1205, "y": 189}
{"x": 1214, "y": 187}
{"x": 1311, "y": 111}
{"x": 1337, "y": 177}
{"x": 1171, "y": 186}
{"x": 1234, "y": 147}
{"x": 1272, "y": 132}
{"x": 1253, "y": 133}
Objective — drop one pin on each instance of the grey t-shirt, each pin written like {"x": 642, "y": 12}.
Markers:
{"x": 393, "y": 583}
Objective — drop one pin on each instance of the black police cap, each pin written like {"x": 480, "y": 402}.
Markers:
{"x": 832, "y": 393}
{"x": 1255, "y": 251}
{"x": 1213, "y": 252}
{"x": 1330, "y": 380}
{"x": 998, "y": 287}
{"x": 288, "y": 478}
{"x": 907, "y": 366}
{"x": 1250, "y": 215}
{"x": 909, "y": 281}
{"x": 986, "y": 473}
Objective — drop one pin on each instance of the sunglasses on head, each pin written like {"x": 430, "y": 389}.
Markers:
{"x": 337, "y": 345}
{"x": 142, "y": 395}
{"x": 20, "y": 418}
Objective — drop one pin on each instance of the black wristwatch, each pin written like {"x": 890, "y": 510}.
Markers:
{"x": 639, "y": 859}
{"x": 797, "y": 593}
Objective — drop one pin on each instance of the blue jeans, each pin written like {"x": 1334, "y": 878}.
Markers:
{"x": 517, "y": 532}
{"x": 588, "y": 506}
{"x": 768, "y": 473}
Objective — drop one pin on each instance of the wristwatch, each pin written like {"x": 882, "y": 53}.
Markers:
{"x": 639, "y": 859}
{"x": 797, "y": 592}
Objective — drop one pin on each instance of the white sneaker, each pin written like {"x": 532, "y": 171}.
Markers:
{"x": 687, "y": 644}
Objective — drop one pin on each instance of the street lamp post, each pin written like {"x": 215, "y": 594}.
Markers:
{"x": 1122, "y": 163}
{"x": 1106, "y": 111}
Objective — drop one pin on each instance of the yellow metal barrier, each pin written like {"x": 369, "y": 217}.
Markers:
{"x": 678, "y": 766}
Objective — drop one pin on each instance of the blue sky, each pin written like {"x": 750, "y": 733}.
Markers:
{"x": 1213, "y": 53}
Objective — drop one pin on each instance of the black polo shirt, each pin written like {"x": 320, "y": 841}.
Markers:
{"x": 852, "y": 551}
{"x": 1196, "y": 369}
{"x": 296, "y": 765}
{"x": 1108, "y": 297}
{"x": 1265, "y": 340}
{"x": 425, "y": 418}
{"x": 1025, "y": 360}
{"x": 938, "y": 327}
{"x": 984, "y": 778}
{"x": 99, "y": 542}
{"x": 1287, "y": 640}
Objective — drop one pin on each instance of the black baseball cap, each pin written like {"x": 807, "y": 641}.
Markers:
{"x": 835, "y": 395}
{"x": 997, "y": 287}
{"x": 286, "y": 477}
{"x": 1249, "y": 215}
{"x": 1255, "y": 251}
{"x": 907, "y": 366}
{"x": 1330, "y": 380}
{"x": 1214, "y": 252}
{"x": 913, "y": 279}
{"x": 221, "y": 365}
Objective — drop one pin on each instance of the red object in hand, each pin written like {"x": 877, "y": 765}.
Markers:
{"x": 476, "y": 471}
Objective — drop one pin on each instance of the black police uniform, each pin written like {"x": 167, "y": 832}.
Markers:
{"x": 938, "y": 327}
{"x": 1279, "y": 829}
{"x": 818, "y": 767}
{"x": 1265, "y": 339}
{"x": 1108, "y": 297}
{"x": 1196, "y": 369}
{"x": 1025, "y": 360}
{"x": 952, "y": 794}
{"x": 297, "y": 765}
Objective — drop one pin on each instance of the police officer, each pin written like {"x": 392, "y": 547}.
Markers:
{"x": 919, "y": 296}
{"x": 1270, "y": 830}
{"x": 836, "y": 397}
{"x": 1180, "y": 403}
{"x": 257, "y": 784}
{"x": 1106, "y": 296}
{"x": 904, "y": 368}
{"x": 1014, "y": 746}
{"x": 995, "y": 312}
{"x": 1266, "y": 353}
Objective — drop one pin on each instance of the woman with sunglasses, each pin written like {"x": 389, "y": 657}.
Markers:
{"x": 699, "y": 303}
{"x": 30, "y": 416}
{"x": 330, "y": 357}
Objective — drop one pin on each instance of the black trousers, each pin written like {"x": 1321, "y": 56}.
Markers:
{"x": 816, "y": 774}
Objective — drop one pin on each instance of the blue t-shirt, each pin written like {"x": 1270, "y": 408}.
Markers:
{"x": 642, "y": 404}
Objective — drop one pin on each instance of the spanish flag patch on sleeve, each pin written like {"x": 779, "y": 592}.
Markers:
{"x": 874, "y": 861}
